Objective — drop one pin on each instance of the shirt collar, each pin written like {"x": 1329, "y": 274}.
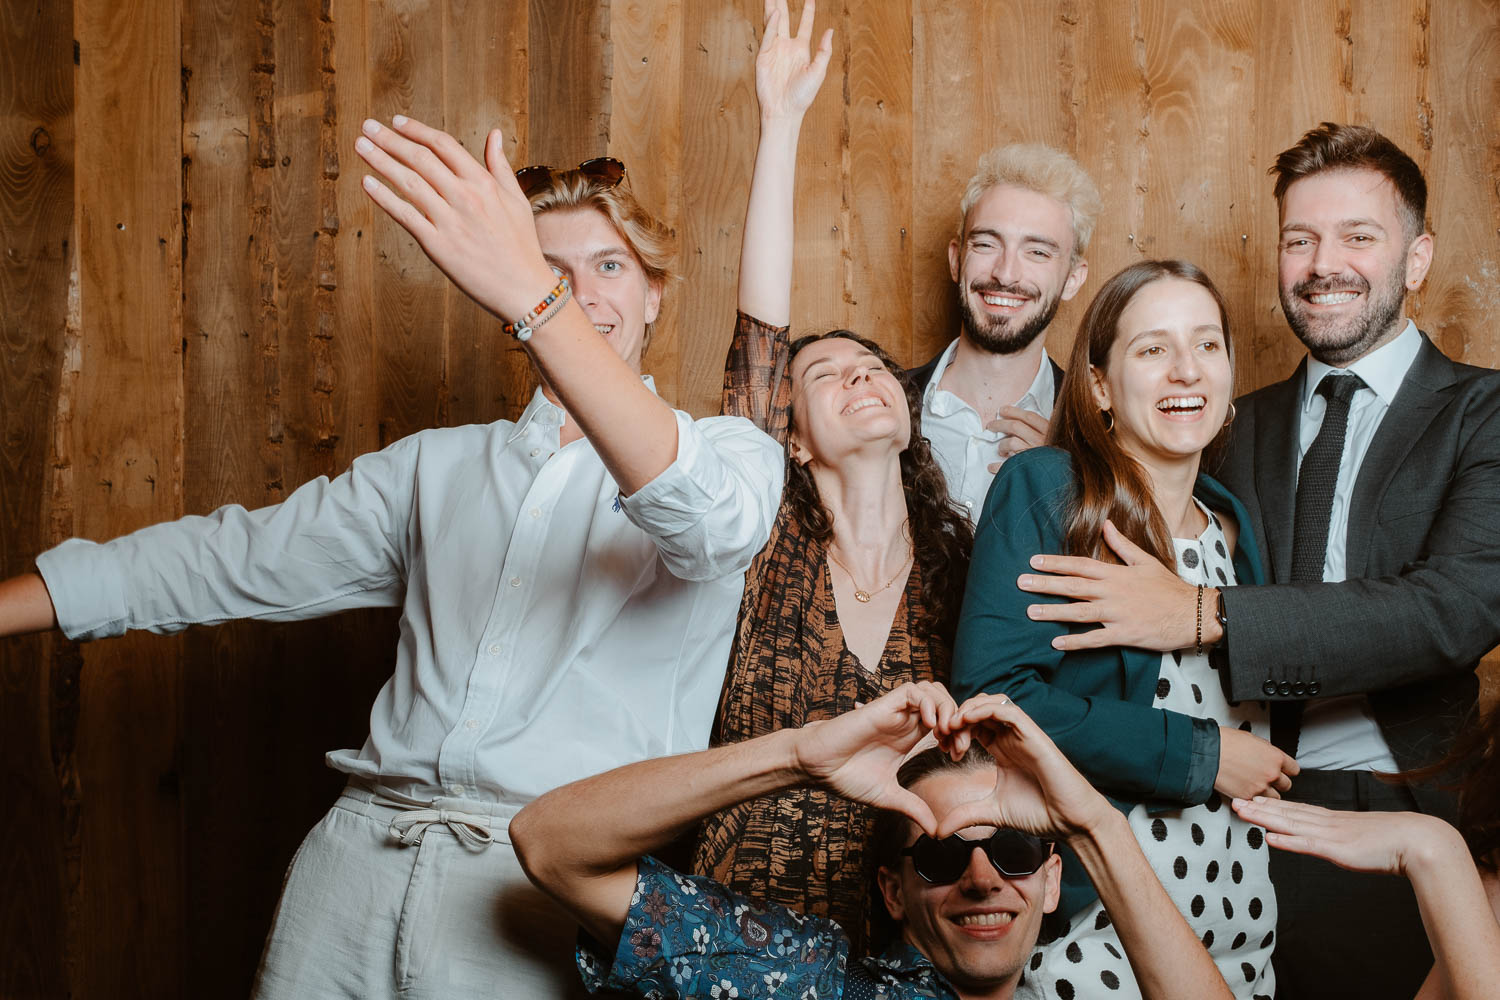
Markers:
{"x": 901, "y": 958}
{"x": 1382, "y": 369}
{"x": 545, "y": 411}
{"x": 1039, "y": 396}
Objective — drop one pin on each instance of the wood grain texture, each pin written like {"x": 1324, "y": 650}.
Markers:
{"x": 199, "y": 305}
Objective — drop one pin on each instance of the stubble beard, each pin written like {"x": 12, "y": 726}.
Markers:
{"x": 998, "y": 335}
{"x": 1339, "y": 343}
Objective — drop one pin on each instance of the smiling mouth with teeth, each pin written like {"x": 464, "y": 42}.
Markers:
{"x": 864, "y": 402}
{"x": 1007, "y": 301}
{"x": 984, "y": 919}
{"x": 1182, "y": 404}
{"x": 603, "y": 329}
{"x": 1332, "y": 298}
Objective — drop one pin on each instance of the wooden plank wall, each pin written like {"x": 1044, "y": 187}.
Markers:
{"x": 198, "y": 306}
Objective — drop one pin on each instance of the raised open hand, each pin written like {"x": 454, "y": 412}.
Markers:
{"x": 859, "y": 753}
{"x": 474, "y": 222}
{"x": 1036, "y": 789}
{"x": 787, "y": 74}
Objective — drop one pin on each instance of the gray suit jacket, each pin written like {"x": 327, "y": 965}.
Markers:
{"x": 1421, "y": 603}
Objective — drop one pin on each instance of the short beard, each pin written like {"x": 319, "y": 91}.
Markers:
{"x": 996, "y": 336}
{"x": 1340, "y": 344}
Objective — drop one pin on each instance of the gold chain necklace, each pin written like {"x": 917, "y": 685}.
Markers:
{"x": 864, "y": 596}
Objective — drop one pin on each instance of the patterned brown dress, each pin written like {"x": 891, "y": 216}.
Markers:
{"x": 803, "y": 847}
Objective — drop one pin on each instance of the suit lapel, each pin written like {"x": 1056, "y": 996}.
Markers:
{"x": 1277, "y": 419}
{"x": 1418, "y": 400}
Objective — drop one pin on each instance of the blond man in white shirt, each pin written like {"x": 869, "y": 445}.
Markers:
{"x": 568, "y": 583}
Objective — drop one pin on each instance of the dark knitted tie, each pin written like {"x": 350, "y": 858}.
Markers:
{"x": 1315, "y": 484}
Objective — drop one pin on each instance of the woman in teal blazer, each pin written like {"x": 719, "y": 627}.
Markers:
{"x": 1147, "y": 393}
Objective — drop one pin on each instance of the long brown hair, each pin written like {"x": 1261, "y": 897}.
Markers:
{"x": 1109, "y": 483}
{"x": 941, "y": 534}
{"x": 1472, "y": 768}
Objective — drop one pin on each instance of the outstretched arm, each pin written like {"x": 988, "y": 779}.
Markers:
{"x": 1460, "y": 921}
{"x": 476, "y": 224}
{"x": 1038, "y": 791}
{"x": 25, "y": 605}
{"x": 580, "y": 843}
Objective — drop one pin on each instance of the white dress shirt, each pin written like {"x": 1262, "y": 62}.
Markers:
{"x": 965, "y": 449}
{"x": 550, "y": 628}
{"x": 1341, "y": 733}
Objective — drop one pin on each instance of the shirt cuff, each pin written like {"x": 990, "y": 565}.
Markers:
{"x": 87, "y": 596}
{"x": 1203, "y": 765}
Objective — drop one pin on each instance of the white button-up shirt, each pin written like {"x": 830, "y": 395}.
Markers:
{"x": 965, "y": 449}
{"x": 551, "y": 629}
{"x": 1341, "y": 733}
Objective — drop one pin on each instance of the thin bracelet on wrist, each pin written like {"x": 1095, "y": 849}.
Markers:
{"x": 544, "y": 310}
{"x": 1198, "y": 639}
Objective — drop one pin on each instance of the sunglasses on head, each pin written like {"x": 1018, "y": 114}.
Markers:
{"x": 605, "y": 170}
{"x": 1014, "y": 855}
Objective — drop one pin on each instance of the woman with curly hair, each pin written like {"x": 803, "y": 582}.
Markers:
{"x": 858, "y": 590}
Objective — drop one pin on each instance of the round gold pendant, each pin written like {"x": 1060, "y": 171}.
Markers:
{"x": 862, "y": 596}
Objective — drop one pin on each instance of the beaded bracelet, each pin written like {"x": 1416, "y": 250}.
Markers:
{"x": 1198, "y": 641}
{"x": 522, "y": 328}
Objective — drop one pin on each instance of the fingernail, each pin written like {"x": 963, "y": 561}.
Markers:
{"x": 1024, "y": 580}
{"x": 369, "y": 183}
{"x": 370, "y": 126}
{"x": 1032, "y": 611}
{"x": 363, "y": 145}
{"x": 1036, "y": 562}
{"x": 1057, "y": 643}
{"x": 398, "y": 120}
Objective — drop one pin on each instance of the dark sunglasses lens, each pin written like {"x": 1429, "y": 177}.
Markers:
{"x": 533, "y": 179}
{"x": 604, "y": 169}
{"x": 941, "y": 860}
{"x": 1016, "y": 854}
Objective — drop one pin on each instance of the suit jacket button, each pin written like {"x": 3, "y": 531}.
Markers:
{"x": 1284, "y": 688}
{"x": 1313, "y": 687}
{"x": 1299, "y": 689}
{"x": 1269, "y": 687}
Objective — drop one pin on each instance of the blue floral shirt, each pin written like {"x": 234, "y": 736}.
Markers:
{"x": 689, "y": 936}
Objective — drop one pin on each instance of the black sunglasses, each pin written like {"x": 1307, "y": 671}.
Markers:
{"x": 1013, "y": 853}
{"x": 605, "y": 170}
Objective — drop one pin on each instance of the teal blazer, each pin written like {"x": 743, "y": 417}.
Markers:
{"x": 1094, "y": 703}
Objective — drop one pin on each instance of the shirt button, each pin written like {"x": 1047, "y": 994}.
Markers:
{"x": 1284, "y": 688}
{"x": 535, "y": 452}
{"x": 536, "y": 512}
{"x": 456, "y": 789}
{"x": 1313, "y": 687}
{"x": 494, "y": 649}
{"x": 1299, "y": 689}
{"x": 471, "y": 724}
{"x": 968, "y": 504}
{"x": 1269, "y": 687}
{"x": 515, "y": 581}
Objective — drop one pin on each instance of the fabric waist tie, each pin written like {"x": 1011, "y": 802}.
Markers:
{"x": 414, "y": 817}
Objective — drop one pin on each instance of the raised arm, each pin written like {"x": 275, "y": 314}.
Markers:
{"x": 25, "y": 605}
{"x": 1038, "y": 791}
{"x": 580, "y": 843}
{"x": 476, "y": 224}
{"x": 1460, "y": 919}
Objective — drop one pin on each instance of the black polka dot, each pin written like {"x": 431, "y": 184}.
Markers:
{"x": 1237, "y": 872}
{"x": 1158, "y": 830}
{"x": 1036, "y": 961}
{"x": 1228, "y": 909}
{"x": 1213, "y": 804}
{"x": 1239, "y": 941}
{"x": 1163, "y": 688}
{"x": 1244, "y": 726}
{"x": 1197, "y": 835}
{"x": 1249, "y": 971}
{"x": 1213, "y": 871}
{"x": 1222, "y": 577}
{"x": 1112, "y": 950}
{"x": 1208, "y": 939}
{"x": 1109, "y": 979}
{"x": 1179, "y": 867}
{"x": 1265, "y": 942}
{"x": 1228, "y": 838}
{"x": 1190, "y": 558}
{"x": 1255, "y": 838}
{"x": 1219, "y": 547}
{"x": 1101, "y": 921}
{"x": 1255, "y": 908}
{"x": 1197, "y": 906}
{"x": 1197, "y": 694}
{"x": 1065, "y": 989}
{"x": 1074, "y": 953}
{"x": 1177, "y": 657}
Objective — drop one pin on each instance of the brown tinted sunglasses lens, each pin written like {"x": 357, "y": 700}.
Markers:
{"x": 604, "y": 170}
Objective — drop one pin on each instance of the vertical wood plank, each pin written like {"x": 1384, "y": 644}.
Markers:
{"x": 36, "y": 246}
{"x": 129, "y": 473}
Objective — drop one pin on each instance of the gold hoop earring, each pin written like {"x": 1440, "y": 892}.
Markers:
{"x": 1229, "y": 419}
{"x": 1109, "y": 421}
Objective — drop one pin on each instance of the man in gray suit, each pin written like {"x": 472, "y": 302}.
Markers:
{"x": 1373, "y": 477}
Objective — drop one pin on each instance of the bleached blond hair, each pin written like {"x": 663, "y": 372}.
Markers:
{"x": 1046, "y": 171}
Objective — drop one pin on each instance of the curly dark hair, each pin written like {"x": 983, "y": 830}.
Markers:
{"x": 941, "y": 534}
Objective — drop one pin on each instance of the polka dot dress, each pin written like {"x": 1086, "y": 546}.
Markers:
{"x": 1212, "y": 863}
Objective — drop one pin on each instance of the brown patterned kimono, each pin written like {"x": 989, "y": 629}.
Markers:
{"x": 803, "y": 847}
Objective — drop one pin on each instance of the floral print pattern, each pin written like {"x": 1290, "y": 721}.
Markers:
{"x": 688, "y": 936}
